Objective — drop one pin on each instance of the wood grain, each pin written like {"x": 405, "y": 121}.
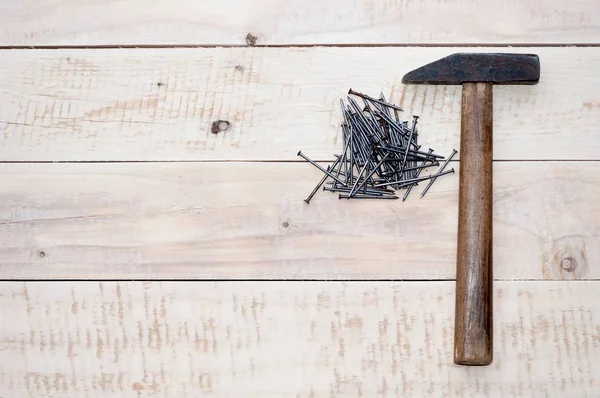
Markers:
{"x": 248, "y": 220}
{"x": 290, "y": 339}
{"x": 160, "y": 104}
{"x": 473, "y": 334}
{"x": 100, "y": 22}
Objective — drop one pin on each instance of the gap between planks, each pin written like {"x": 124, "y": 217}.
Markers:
{"x": 208, "y": 280}
{"x": 453, "y": 161}
{"x": 324, "y": 45}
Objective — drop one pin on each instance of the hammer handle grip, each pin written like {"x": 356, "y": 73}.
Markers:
{"x": 473, "y": 318}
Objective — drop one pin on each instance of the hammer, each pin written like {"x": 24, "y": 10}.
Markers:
{"x": 473, "y": 339}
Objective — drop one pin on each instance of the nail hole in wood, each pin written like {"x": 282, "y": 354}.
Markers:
{"x": 42, "y": 254}
{"x": 160, "y": 84}
{"x": 239, "y": 68}
{"x": 220, "y": 126}
{"x": 285, "y": 224}
{"x": 251, "y": 39}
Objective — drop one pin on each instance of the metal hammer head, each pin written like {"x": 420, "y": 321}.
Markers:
{"x": 496, "y": 68}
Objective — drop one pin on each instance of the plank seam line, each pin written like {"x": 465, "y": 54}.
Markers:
{"x": 280, "y": 280}
{"x": 326, "y": 45}
{"x": 265, "y": 161}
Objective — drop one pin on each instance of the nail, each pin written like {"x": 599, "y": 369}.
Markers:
{"x": 416, "y": 176}
{"x": 454, "y": 152}
{"x": 364, "y": 96}
{"x": 361, "y": 116}
{"x": 314, "y": 191}
{"x": 391, "y": 123}
{"x": 386, "y": 109}
{"x": 319, "y": 167}
{"x": 413, "y": 154}
{"x": 354, "y": 189}
{"x": 344, "y": 155}
{"x": 358, "y": 179}
{"x": 346, "y": 190}
{"x": 371, "y": 191}
{"x": 377, "y": 127}
{"x": 405, "y": 183}
{"x": 414, "y": 129}
{"x": 361, "y": 196}
{"x": 415, "y": 168}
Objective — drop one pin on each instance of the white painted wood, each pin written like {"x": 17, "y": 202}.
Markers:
{"x": 286, "y": 339}
{"x": 160, "y": 104}
{"x": 101, "y": 22}
{"x": 248, "y": 220}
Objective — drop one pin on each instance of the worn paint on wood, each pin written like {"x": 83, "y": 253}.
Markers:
{"x": 161, "y": 104}
{"x": 241, "y": 22}
{"x": 359, "y": 339}
{"x": 248, "y": 220}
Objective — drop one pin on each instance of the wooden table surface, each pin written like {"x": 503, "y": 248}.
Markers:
{"x": 144, "y": 255}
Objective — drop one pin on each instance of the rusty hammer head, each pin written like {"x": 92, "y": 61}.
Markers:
{"x": 496, "y": 68}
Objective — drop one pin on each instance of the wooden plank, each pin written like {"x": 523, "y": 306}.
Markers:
{"x": 98, "y": 22}
{"x": 258, "y": 339}
{"x": 149, "y": 104}
{"x": 248, "y": 220}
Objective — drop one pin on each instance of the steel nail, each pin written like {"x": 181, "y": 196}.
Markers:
{"x": 363, "y": 196}
{"x": 364, "y": 96}
{"x": 314, "y": 191}
{"x": 318, "y": 166}
{"x": 454, "y": 152}
{"x": 416, "y": 176}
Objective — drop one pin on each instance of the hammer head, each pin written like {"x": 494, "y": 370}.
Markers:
{"x": 497, "y": 68}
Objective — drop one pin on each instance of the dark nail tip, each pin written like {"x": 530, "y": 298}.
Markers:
{"x": 307, "y": 201}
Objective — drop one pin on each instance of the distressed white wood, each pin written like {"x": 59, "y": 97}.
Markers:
{"x": 101, "y": 22}
{"x": 248, "y": 220}
{"x": 159, "y": 104}
{"x": 291, "y": 339}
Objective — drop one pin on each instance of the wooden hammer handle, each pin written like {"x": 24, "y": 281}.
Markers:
{"x": 473, "y": 322}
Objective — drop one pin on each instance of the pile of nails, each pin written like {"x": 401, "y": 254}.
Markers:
{"x": 380, "y": 154}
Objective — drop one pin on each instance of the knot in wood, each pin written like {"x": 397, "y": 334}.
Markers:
{"x": 569, "y": 264}
{"x": 220, "y": 126}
